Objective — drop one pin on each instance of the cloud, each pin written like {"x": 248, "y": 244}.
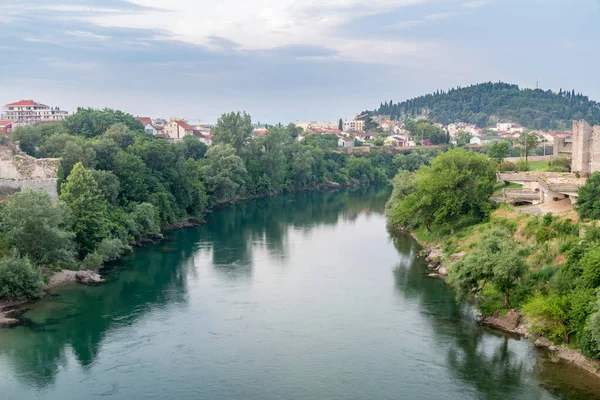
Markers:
{"x": 435, "y": 17}
{"x": 475, "y": 4}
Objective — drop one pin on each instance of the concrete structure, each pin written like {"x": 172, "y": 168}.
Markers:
{"x": 583, "y": 146}
{"x": 176, "y": 129}
{"x": 354, "y": 125}
{"x": 541, "y": 187}
{"x": 19, "y": 171}
{"x": 29, "y": 112}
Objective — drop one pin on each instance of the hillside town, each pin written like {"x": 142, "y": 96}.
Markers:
{"x": 358, "y": 131}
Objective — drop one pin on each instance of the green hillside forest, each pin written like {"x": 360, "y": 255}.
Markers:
{"x": 487, "y": 103}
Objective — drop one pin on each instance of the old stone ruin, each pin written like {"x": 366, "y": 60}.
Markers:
{"x": 19, "y": 171}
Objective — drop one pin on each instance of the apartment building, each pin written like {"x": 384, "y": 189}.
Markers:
{"x": 29, "y": 112}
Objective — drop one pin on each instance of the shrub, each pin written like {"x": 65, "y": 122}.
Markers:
{"x": 507, "y": 166}
{"x": 108, "y": 250}
{"x": 549, "y": 316}
{"x": 19, "y": 279}
{"x": 523, "y": 166}
{"x": 560, "y": 164}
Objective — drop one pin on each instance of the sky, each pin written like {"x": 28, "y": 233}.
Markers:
{"x": 287, "y": 60}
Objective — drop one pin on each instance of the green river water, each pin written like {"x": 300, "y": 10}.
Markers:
{"x": 302, "y": 296}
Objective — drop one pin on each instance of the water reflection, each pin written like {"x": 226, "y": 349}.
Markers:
{"x": 77, "y": 319}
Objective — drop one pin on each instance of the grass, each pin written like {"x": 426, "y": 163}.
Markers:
{"x": 540, "y": 166}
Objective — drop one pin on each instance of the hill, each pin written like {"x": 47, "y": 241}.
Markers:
{"x": 487, "y": 103}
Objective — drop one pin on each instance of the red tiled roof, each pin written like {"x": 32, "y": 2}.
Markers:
{"x": 183, "y": 124}
{"x": 144, "y": 120}
{"x": 5, "y": 122}
{"x": 25, "y": 103}
{"x": 162, "y": 135}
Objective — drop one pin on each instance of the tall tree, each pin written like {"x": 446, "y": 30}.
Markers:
{"x": 36, "y": 228}
{"x": 529, "y": 141}
{"x": 225, "y": 172}
{"x": 88, "y": 206}
{"x": 340, "y": 125}
{"x": 234, "y": 129}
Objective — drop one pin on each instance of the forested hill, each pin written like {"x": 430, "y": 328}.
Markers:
{"x": 487, "y": 103}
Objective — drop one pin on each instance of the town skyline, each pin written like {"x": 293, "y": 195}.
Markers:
{"x": 282, "y": 63}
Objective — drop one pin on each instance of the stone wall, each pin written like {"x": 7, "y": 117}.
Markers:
{"x": 581, "y": 137}
{"x": 19, "y": 171}
{"x": 20, "y": 166}
{"x": 594, "y": 149}
{"x": 10, "y": 186}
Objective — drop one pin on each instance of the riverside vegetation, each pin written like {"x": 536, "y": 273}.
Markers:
{"x": 119, "y": 186}
{"x": 546, "y": 267}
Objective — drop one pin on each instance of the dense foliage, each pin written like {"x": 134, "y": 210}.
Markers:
{"x": 453, "y": 191}
{"x": 588, "y": 202}
{"x": 487, "y": 103}
{"x": 119, "y": 184}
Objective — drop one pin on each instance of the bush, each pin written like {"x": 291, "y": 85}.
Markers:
{"x": 523, "y": 166}
{"x": 559, "y": 164}
{"x": 549, "y": 316}
{"x": 19, "y": 279}
{"x": 108, "y": 250}
{"x": 507, "y": 166}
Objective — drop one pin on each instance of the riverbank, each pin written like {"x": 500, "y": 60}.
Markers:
{"x": 59, "y": 279}
{"x": 513, "y": 321}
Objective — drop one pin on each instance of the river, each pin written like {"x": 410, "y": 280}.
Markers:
{"x": 301, "y": 296}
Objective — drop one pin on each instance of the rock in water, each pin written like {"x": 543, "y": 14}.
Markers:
{"x": 88, "y": 277}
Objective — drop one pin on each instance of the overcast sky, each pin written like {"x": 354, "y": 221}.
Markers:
{"x": 287, "y": 60}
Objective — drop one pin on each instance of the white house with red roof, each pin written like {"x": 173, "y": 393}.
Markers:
{"x": 176, "y": 129}
{"x": 148, "y": 124}
{"x": 6, "y": 127}
{"x": 29, "y": 112}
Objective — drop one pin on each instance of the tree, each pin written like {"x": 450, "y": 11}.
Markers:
{"x": 340, "y": 125}
{"x": 133, "y": 175}
{"x": 89, "y": 122}
{"x": 588, "y": 200}
{"x": 499, "y": 150}
{"x": 19, "y": 279}
{"x": 225, "y": 172}
{"x": 405, "y": 183}
{"x": 463, "y": 138}
{"x": 497, "y": 260}
{"x": 106, "y": 149}
{"x": 455, "y": 190}
{"x": 37, "y": 229}
{"x": 88, "y": 206}
{"x": 234, "y": 129}
{"x": 529, "y": 141}
{"x": 121, "y": 134}
{"x": 109, "y": 185}
{"x": 193, "y": 148}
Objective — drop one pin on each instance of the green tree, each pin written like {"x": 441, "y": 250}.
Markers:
{"x": 497, "y": 260}
{"x": 133, "y": 175}
{"x": 193, "y": 148}
{"x": 234, "y": 129}
{"x": 340, "y": 125}
{"x": 455, "y": 190}
{"x": 463, "y": 138}
{"x": 225, "y": 172}
{"x": 109, "y": 185}
{"x": 529, "y": 141}
{"x": 89, "y": 122}
{"x": 121, "y": 134}
{"x": 588, "y": 200}
{"x": 88, "y": 206}
{"x": 19, "y": 279}
{"x": 499, "y": 150}
{"x": 37, "y": 229}
{"x": 405, "y": 183}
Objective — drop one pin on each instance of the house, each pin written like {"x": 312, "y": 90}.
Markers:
{"x": 345, "y": 142}
{"x": 490, "y": 139}
{"x": 259, "y": 132}
{"x": 203, "y": 136}
{"x": 6, "y": 127}
{"x": 176, "y": 129}
{"x": 148, "y": 124}
{"x": 475, "y": 141}
{"x": 362, "y": 136}
{"x": 396, "y": 141}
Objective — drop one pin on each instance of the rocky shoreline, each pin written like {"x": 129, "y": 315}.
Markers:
{"x": 511, "y": 322}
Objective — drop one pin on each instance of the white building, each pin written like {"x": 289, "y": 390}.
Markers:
{"x": 354, "y": 125}
{"x": 29, "y": 112}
